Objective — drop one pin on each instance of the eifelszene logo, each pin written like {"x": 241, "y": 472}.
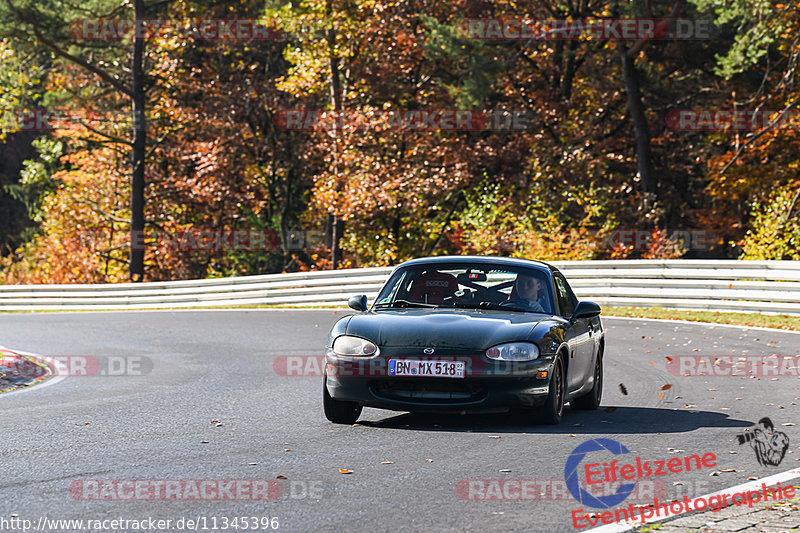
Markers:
{"x": 618, "y": 471}
{"x": 571, "y": 474}
{"x": 770, "y": 445}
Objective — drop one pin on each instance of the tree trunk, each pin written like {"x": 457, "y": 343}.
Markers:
{"x": 136, "y": 266}
{"x": 640, "y": 129}
{"x": 635, "y": 106}
{"x": 336, "y": 223}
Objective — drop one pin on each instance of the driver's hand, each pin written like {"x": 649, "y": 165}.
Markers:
{"x": 536, "y": 307}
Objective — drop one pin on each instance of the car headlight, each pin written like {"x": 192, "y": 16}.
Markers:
{"x": 513, "y": 351}
{"x": 353, "y": 346}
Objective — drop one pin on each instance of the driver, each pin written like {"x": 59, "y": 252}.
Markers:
{"x": 527, "y": 291}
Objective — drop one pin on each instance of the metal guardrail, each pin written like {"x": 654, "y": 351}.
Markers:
{"x": 748, "y": 286}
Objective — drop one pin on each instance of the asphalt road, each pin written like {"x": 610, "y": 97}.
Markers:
{"x": 204, "y": 366}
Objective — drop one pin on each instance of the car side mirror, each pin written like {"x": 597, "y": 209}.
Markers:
{"x": 586, "y": 310}
{"x": 359, "y": 302}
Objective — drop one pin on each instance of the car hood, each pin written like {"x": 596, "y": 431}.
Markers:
{"x": 443, "y": 328}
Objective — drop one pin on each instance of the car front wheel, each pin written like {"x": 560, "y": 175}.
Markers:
{"x": 337, "y": 411}
{"x": 553, "y": 408}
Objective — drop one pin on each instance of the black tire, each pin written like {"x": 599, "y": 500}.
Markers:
{"x": 337, "y": 411}
{"x": 591, "y": 400}
{"x": 553, "y": 409}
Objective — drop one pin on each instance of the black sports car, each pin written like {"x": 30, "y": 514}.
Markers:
{"x": 468, "y": 335}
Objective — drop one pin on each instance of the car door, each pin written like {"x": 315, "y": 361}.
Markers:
{"x": 579, "y": 335}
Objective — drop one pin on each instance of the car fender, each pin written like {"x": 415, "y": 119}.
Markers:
{"x": 338, "y": 329}
{"x": 550, "y": 336}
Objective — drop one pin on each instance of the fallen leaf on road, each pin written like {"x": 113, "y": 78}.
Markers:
{"x": 387, "y": 462}
{"x": 666, "y": 387}
{"x": 660, "y": 395}
{"x": 495, "y": 437}
{"x": 428, "y": 460}
{"x": 287, "y": 449}
{"x": 203, "y": 442}
{"x": 280, "y": 476}
{"x": 345, "y": 471}
{"x": 252, "y": 464}
{"x": 788, "y": 424}
{"x": 623, "y": 389}
{"x": 670, "y": 359}
{"x": 506, "y": 470}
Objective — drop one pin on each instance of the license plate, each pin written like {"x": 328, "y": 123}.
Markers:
{"x": 437, "y": 369}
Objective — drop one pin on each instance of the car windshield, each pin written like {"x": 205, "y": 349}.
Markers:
{"x": 442, "y": 285}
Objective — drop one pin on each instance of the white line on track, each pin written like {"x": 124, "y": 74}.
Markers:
{"x": 695, "y": 323}
{"x": 750, "y": 485}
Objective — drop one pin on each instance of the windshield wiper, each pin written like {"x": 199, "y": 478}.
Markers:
{"x": 489, "y": 305}
{"x": 498, "y": 307}
{"x": 399, "y": 304}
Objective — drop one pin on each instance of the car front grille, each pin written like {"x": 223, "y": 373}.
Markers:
{"x": 429, "y": 391}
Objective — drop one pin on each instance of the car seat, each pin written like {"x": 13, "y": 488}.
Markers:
{"x": 432, "y": 287}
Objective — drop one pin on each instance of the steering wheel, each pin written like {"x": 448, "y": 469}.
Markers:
{"x": 534, "y": 306}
